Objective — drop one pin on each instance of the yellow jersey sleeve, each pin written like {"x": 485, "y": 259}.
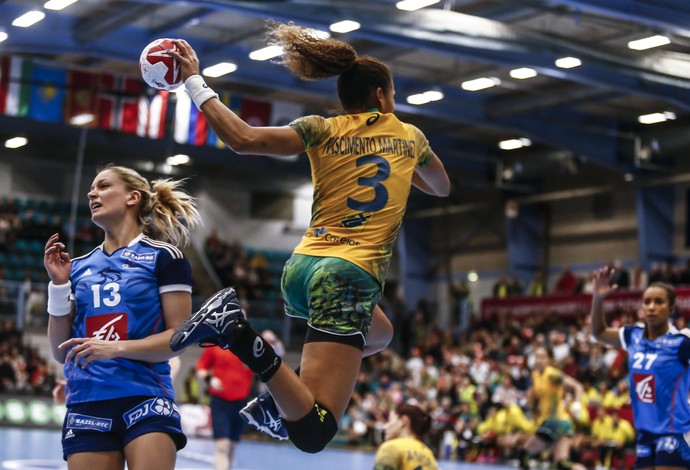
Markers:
{"x": 388, "y": 457}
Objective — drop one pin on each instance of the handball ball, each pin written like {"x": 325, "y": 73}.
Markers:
{"x": 158, "y": 69}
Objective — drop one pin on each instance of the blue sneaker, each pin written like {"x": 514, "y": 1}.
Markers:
{"x": 262, "y": 413}
{"x": 213, "y": 325}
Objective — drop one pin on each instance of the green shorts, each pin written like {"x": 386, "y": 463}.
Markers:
{"x": 335, "y": 296}
{"x": 551, "y": 430}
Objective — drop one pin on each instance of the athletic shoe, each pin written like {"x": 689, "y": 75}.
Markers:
{"x": 262, "y": 413}
{"x": 214, "y": 324}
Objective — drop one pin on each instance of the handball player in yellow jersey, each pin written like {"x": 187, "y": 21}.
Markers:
{"x": 363, "y": 164}
{"x": 403, "y": 448}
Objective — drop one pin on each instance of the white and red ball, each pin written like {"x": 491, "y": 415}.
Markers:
{"x": 158, "y": 69}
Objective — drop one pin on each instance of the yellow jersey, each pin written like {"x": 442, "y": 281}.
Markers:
{"x": 548, "y": 388}
{"x": 405, "y": 453}
{"x": 361, "y": 167}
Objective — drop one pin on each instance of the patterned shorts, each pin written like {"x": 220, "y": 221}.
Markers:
{"x": 551, "y": 430}
{"x": 335, "y": 296}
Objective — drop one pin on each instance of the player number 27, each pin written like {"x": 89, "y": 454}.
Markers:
{"x": 380, "y": 192}
{"x": 111, "y": 295}
{"x": 642, "y": 359}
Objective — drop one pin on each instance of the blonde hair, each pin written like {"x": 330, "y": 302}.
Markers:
{"x": 311, "y": 58}
{"x": 165, "y": 212}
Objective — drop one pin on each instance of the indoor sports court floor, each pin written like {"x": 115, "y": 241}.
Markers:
{"x": 30, "y": 449}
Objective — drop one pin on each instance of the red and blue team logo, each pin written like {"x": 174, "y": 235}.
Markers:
{"x": 644, "y": 388}
{"x": 108, "y": 327}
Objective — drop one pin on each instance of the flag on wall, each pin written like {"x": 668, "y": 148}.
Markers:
{"x": 18, "y": 94}
{"x": 118, "y": 103}
{"x": 47, "y": 93}
{"x": 82, "y": 96}
{"x": 255, "y": 113}
{"x": 151, "y": 118}
{"x": 284, "y": 112}
{"x": 4, "y": 81}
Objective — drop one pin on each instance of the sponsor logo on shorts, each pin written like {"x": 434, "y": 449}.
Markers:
{"x": 643, "y": 451}
{"x": 152, "y": 407}
{"x": 644, "y": 388}
{"x": 79, "y": 421}
{"x": 667, "y": 444}
{"x": 108, "y": 327}
{"x": 69, "y": 434}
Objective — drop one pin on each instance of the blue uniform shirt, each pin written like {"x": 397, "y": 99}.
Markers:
{"x": 117, "y": 297}
{"x": 659, "y": 379}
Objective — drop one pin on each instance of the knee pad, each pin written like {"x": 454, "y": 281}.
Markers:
{"x": 313, "y": 432}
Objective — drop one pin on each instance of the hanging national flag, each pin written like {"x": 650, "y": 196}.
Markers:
{"x": 118, "y": 102}
{"x": 18, "y": 87}
{"x": 4, "y": 81}
{"x": 47, "y": 93}
{"x": 255, "y": 113}
{"x": 182, "y": 111}
{"x": 284, "y": 112}
{"x": 190, "y": 123}
{"x": 82, "y": 97}
{"x": 129, "y": 105}
{"x": 157, "y": 113}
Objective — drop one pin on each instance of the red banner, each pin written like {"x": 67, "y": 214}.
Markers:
{"x": 572, "y": 305}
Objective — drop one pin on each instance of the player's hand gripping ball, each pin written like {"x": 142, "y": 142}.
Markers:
{"x": 158, "y": 69}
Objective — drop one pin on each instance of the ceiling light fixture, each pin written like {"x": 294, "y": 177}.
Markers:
{"x": 424, "y": 98}
{"x": 82, "y": 119}
{"x": 345, "y": 26}
{"x": 648, "y": 43}
{"x": 179, "y": 159}
{"x": 512, "y": 144}
{"x": 222, "y": 68}
{"x": 28, "y": 19}
{"x": 654, "y": 118}
{"x": 58, "y": 4}
{"x": 480, "y": 83}
{"x": 568, "y": 62}
{"x": 412, "y": 5}
{"x": 3, "y": 36}
{"x": 266, "y": 53}
{"x": 16, "y": 142}
{"x": 523, "y": 73}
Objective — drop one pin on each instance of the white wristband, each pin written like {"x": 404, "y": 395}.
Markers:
{"x": 59, "y": 304}
{"x": 199, "y": 90}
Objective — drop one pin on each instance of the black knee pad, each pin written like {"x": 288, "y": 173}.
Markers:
{"x": 313, "y": 432}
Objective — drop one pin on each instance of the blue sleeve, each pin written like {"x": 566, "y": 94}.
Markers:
{"x": 684, "y": 351}
{"x": 173, "y": 273}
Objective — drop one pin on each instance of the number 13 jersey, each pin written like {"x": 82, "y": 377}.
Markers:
{"x": 659, "y": 379}
{"x": 361, "y": 166}
{"x": 117, "y": 297}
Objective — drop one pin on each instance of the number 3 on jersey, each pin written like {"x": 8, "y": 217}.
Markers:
{"x": 643, "y": 361}
{"x": 109, "y": 297}
{"x": 380, "y": 192}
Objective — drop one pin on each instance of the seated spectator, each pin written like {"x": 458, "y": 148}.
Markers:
{"x": 621, "y": 276}
{"x": 536, "y": 286}
{"x": 565, "y": 285}
{"x": 639, "y": 280}
{"x": 515, "y": 288}
{"x": 501, "y": 288}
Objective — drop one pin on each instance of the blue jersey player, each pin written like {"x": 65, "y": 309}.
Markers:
{"x": 658, "y": 359}
{"x": 112, "y": 313}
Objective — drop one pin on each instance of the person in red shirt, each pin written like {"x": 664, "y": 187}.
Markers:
{"x": 229, "y": 382}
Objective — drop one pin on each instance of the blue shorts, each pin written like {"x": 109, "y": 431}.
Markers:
{"x": 336, "y": 297}
{"x": 662, "y": 450}
{"x": 225, "y": 418}
{"x": 109, "y": 425}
